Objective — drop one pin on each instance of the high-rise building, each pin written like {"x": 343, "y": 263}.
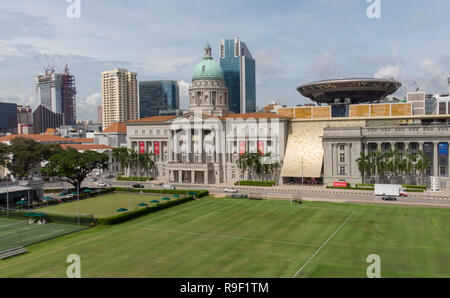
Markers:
{"x": 119, "y": 96}
{"x": 99, "y": 115}
{"x": 238, "y": 68}
{"x": 24, "y": 120}
{"x": 8, "y": 117}
{"x": 44, "y": 118}
{"x": 57, "y": 92}
{"x": 156, "y": 96}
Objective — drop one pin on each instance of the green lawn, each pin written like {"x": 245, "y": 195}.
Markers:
{"x": 246, "y": 238}
{"x": 106, "y": 205}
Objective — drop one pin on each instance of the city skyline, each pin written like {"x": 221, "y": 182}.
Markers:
{"x": 293, "y": 44}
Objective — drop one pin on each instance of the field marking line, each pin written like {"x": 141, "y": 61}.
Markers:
{"x": 232, "y": 237}
{"x": 323, "y": 245}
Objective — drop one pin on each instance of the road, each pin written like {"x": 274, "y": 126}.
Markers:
{"x": 313, "y": 193}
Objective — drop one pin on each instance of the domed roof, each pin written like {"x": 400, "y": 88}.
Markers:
{"x": 208, "y": 68}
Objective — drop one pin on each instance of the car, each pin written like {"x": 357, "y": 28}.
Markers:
{"x": 388, "y": 198}
{"x": 93, "y": 179}
{"x": 230, "y": 190}
{"x": 102, "y": 184}
{"x": 403, "y": 194}
{"x": 138, "y": 185}
{"x": 168, "y": 186}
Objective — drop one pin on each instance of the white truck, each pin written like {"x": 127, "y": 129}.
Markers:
{"x": 389, "y": 191}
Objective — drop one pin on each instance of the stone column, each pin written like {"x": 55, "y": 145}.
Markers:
{"x": 180, "y": 176}
{"x": 435, "y": 159}
{"x": 348, "y": 158}
{"x": 193, "y": 176}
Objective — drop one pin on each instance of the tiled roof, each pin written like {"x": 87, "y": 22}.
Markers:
{"x": 82, "y": 140}
{"x": 37, "y": 138}
{"x": 84, "y": 147}
{"x": 153, "y": 119}
{"x": 254, "y": 115}
{"x": 117, "y": 127}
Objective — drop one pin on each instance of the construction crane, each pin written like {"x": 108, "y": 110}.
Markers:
{"x": 399, "y": 65}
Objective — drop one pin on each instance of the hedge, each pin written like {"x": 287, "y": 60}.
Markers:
{"x": 116, "y": 219}
{"x": 255, "y": 183}
{"x": 354, "y": 188}
{"x": 404, "y": 186}
{"x": 120, "y": 178}
{"x": 198, "y": 193}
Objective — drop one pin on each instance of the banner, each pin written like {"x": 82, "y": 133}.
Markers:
{"x": 340, "y": 184}
{"x": 443, "y": 148}
{"x": 141, "y": 147}
{"x": 242, "y": 148}
{"x": 261, "y": 147}
{"x": 157, "y": 148}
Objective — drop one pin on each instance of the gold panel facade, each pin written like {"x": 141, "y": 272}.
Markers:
{"x": 401, "y": 109}
{"x": 289, "y": 112}
{"x": 359, "y": 110}
{"x": 304, "y": 150}
{"x": 303, "y": 113}
{"x": 321, "y": 112}
{"x": 380, "y": 110}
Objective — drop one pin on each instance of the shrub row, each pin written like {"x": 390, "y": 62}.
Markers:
{"x": 404, "y": 186}
{"x": 255, "y": 183}
{"x": 197, "y": 193}
{"x": 120, "y": 178}
{"x": 354, "y": 188}
{"x": 414, "y": 190}
{"x": 116, "y": 219}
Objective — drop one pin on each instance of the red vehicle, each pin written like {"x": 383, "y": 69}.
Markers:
{"x": 403, "y": 194}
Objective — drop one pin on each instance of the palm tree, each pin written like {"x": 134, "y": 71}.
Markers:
{"x": 422, "y": 164}
{"x": 410, "y": 160}
{"x": 379, "y": 164}
{"x": 363, "y": 164}
{"x": 122, "y": 156}
{"x": 146, "y": 162}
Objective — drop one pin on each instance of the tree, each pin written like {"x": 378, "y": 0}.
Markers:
{"x": 74, "y": 166}
{"x": 146, "y": 162}
{"x": 363, "y": 162}
{"x": 27, "y": 153}
{"x": 4, "y": 154}
{"x": 122, "y": 156}
{"x": 422, "y": 164}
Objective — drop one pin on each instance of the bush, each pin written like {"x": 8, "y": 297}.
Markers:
{"x": 120, "y": 178}
{"x": 116, "y": 219}
{"x": 197, "y": 193}
{"x": 255, "y": 183}
{"x": 414, "y": 186}
{"x": 414, "y": 190}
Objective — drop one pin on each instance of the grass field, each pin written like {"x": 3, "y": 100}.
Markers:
{"x": 246, "y": 238}
{"x": 106, "y": 205}
{"x": 17, "y": 232}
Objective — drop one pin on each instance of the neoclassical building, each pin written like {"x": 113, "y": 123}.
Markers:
{"x": 203, "y": 145}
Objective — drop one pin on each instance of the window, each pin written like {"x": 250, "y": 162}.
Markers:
{"x": 342, "y": 157}
{"x": 342, "y": 147}
{"x": 442, "y": 171}
{"x": 341, "y": 170}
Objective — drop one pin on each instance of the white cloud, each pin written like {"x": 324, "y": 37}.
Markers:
{"x": 267, "y": 62}
{"x": 325, "y": 66}
{"x": 184, "y": 94}
{"x": 388, "y": 72}
{"x": 89, "y": 104}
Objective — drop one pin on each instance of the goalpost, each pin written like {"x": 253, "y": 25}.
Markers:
{"x": 280, "y": 197}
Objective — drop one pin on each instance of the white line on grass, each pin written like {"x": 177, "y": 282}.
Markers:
{"x": 323, "y": 245}
{"x": 233, "y": 237}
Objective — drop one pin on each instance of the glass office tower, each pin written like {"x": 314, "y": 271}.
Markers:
{"x": 155, "y": 96}
{"x": 238, "y": 68}
{"x": 8, "y": 117}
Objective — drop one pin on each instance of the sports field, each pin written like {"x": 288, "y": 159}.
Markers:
{"x": 107, "y": 205}
{"x": 246, "y": 238}
{"x": 17, "y": 232}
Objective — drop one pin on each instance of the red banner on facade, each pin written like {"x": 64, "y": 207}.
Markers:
{"x": 157, "y": 148}
{"x": 141, "y": 147}
{"x": 261, "y": 147}
{"x": 340, "y": 184}
{"x": 242, "y": 148}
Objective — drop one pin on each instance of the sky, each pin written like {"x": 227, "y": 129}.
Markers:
{"x": 293, "y": 42}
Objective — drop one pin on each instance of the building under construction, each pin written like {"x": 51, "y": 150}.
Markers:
{"x": 57, "y": 92}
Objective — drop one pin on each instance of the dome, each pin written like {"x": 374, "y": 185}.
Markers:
{"x": 208, "y": 68}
